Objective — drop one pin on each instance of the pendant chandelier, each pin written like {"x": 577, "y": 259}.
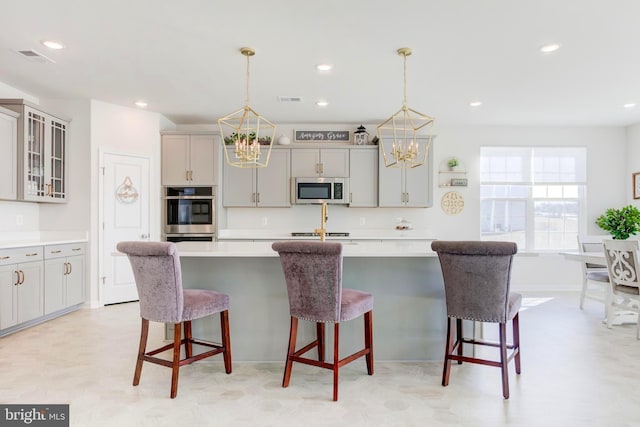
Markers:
{"x": 405, "y": 137}
{"x": 248, "y": 137}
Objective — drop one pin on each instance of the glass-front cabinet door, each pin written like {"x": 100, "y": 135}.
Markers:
{"x": 34, "y": 179}
{"x": 45, "y": 139}
{"x": 57, "y": 156}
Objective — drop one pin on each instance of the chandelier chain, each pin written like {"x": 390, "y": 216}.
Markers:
{"x": 247, "y": 101}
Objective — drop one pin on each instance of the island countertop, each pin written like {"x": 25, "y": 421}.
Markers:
{"x": 406, "y": 249}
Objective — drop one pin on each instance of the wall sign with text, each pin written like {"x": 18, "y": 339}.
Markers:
{"x": 321, "y": 135}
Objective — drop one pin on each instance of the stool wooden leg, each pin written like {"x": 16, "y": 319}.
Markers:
{"x": 516, "y": 341}
{"x": 320, "y": 338}
{"x": 293, "y": 332}
{"x": 336, "y": 359}
{"x": 144, "y": 333}
{"x": 368, "y": 340}
{"x": 447, "y": 351}
{"x": 459, "y": 338}
{"x": 226, "y": 340}
{"x": 175, "y": 366}
{"x": 188, "y": 338}
{"x": 504, "y": 367}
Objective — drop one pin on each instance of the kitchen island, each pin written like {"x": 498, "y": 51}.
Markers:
{"x": 404, "y": 277}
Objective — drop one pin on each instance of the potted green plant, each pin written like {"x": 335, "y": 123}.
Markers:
{"x": 621, "y": 223}
{"x": 453, "y": 163}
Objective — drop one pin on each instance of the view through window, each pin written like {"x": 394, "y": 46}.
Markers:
{"x": 534, "y": 196}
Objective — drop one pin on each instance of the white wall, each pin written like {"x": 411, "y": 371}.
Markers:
{"x": 123, "y": 130}
{"x": 633, "y": 160}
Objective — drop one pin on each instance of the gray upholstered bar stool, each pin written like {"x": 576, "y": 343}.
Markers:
{"x": 313, "y": 272}
{"x": 477, "y": 278}
{"x": 156, "y": 268}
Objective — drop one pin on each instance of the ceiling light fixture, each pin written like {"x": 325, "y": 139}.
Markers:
{"x": 141, "y": 104}
{"x": 322, "y": 103}
{"x": 548, "y": 48}
{"x": 53, "y": 44}
{"x": 324, "y": 67}
{"x": 247, "y": 131}
{"x": 475, "y": 103}
{"x": 400, "y": 143}
{"x": 630, "y": 105}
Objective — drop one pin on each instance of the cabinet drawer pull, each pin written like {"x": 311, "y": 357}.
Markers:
{"x": 5, "y": 257}
{"x": 55, "y": 252}
{"x": 32, "y": 254}
{"x": 76, "y": 249}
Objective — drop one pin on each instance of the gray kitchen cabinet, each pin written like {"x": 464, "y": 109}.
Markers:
{"x": 413, "y": 187}
{"x": 21, "y": 286}
{"x": 42, "y": 148}
{"x": 327, "y": 162}
{"x": 259, "y": 187}
{"x": 64, "y": 269}
{"x": 363, "y": 180}
{"x": 9, "y": 150}
{"x": 189, "y": 158}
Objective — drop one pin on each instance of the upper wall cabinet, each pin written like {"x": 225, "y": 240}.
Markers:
{"x": 9, "y": 158}
{"x": 410, "y": 188}
{"x": 363, "y": 180}
{"x": 258, "y": 187}
{"x": 42, "y": 148}
{"x": 189, "y": 158}
{"x": 328, "y": 162}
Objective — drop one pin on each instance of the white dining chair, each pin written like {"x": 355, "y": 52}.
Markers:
{"x": 595, "y": 278}
{"x": 623, "y": 267}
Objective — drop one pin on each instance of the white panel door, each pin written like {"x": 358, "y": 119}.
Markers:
{"x": 125, "y": 216}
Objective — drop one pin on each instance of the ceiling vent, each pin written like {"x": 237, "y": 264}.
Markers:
{"x": 289, "y": 99}
{"x": 35, "y": 56}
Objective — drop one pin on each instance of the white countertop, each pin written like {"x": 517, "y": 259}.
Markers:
{"x": 361, "y": 234}
{"x": 22, "y": 240}
{"x": 406, "y": 249}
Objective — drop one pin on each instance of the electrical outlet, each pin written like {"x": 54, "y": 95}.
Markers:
{"x": 363, "y": 220}
{"x": 264, "y": 220}
{"x": 19, "y": 219}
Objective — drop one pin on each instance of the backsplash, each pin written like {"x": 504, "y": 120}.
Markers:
{"x": 341, "y": 218}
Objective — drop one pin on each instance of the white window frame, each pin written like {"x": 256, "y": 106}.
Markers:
{"x": 529, "y": 182}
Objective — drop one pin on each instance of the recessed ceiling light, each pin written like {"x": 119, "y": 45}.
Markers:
{"x": 322, "y": 103}
{"x": 630, "y": 105}
{"x": 324, "y": 67}
{"x": 551, "y": 47}
{"x": 141, "y": 104}
{"x": 53, "y": 44}
{"x": 475, "y": 103}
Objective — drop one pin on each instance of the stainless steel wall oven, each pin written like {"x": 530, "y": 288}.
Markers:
{"x": 189, "y": 214}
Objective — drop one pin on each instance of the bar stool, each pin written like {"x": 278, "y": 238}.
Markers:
{"x": 313, "y": 272}
{"x": 156, "y": 268}
{"x": 477, "y": 278}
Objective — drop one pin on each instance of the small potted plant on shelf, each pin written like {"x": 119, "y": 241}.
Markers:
{"x": 621, "y": 223}
{"x": 453, "y": 164}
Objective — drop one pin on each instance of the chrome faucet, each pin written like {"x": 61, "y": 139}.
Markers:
{"x": 322, "y": 231}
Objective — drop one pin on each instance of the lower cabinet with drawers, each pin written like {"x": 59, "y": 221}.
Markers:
{"x": 38, "y": 283}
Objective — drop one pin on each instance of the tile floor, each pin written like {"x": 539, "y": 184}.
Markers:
{"x": 575, "y": 372}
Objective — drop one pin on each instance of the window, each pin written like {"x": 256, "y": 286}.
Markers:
{"x": 534, "y": 196}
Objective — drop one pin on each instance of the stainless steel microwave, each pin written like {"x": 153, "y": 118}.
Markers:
{"x": 320, "y": 189}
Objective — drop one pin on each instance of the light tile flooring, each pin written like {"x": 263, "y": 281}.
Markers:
{"x": 575, "y": 372}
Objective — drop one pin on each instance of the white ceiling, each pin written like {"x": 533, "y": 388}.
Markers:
{"x": 182, "y": 57}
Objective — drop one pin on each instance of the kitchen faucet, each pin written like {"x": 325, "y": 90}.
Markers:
{"x": 323, "y": 220}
